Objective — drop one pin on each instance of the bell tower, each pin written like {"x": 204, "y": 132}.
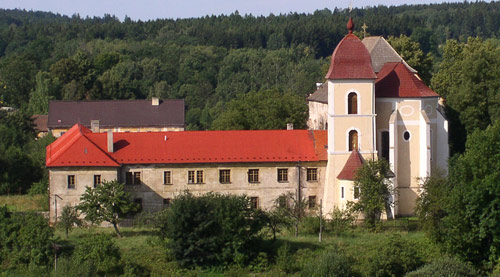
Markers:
{"x": 351, "y": 117}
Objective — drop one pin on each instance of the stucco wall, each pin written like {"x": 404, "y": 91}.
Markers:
{"x": 318, "y": 118}
{"x": 60, "y": 131}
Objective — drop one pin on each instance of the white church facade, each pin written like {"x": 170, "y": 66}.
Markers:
{"x": 373, "y": 105}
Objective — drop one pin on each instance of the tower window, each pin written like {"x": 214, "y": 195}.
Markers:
{"x": 352, "y": 103}
{"x": 353, "y": 140}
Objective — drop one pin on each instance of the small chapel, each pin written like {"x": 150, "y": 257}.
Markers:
{"x": 373, "y": 105}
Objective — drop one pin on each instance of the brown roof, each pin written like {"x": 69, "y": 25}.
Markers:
{"x": 40, "y": 121}
{"x": 381, "y": 52}
{"x": 354, "y": 162}
{"x": 396, "y": 80}
{"x": 116, "y": 113}
{"x": 320, "y": 95}
{"x": 350, "y": 60}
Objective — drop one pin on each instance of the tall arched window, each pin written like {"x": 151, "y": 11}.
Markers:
{"x": 353, "y": 140}
{"x": 352, "y": 103}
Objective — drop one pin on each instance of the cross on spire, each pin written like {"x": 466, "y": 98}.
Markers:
{"x": 364, "y": 27}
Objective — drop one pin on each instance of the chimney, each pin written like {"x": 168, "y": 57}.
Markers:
{"x": 155, "y": 101}
{"x": 94, "y": 126}
{"x": 289, "y": 126}
{"x": 318, "y": 85}
{"x": 110, "y": 141}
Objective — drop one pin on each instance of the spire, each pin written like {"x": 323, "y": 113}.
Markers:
{"x": 350, "y": 25}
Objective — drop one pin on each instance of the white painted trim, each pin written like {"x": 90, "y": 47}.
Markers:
{"x": 414, "y": 122}
{"x": 358, "y": 100}
{"x": 353, "y": 81}
{"x": 393, "y": 99}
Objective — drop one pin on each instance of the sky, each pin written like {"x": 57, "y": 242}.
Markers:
{"x": 154, "y": 9}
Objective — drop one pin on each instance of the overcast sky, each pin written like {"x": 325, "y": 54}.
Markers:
{"x": 153, "y": 9}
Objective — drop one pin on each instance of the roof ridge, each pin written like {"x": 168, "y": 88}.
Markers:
{"x": 102, "y": 150}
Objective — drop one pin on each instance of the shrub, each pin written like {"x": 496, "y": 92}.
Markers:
{"x": 25, "y": 238}
{"x": 211, "y": 229}
{"x": 310, "y": 225}
{"x": 331, "y": 263}
{"x": 341, "y": 220}
{"x": 395, "y": 258}
{"x": 445, "y": 267}
{"x": 284, "y": 259}
{"x": 68, "y": 219}
{"x": 99, "y": 251}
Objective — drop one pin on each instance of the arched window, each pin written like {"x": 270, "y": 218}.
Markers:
{"x": 353, "y": 140}
{"x": 352, "y": 103}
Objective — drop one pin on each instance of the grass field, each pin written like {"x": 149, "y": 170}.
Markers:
{"x": 25, "y": 203}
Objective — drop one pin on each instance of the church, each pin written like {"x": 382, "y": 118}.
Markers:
{"x": 373, "y": 105}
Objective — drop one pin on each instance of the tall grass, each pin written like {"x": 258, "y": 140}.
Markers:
{"x": 25, "y": 203}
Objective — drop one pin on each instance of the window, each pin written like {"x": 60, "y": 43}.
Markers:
{"x": 253, "y": 175}
{"x": 133, "y": 178}
{"x": 199, "y": 176}
{"x": 353, "y": 140}
{"x": 167, "y": 177}
{"x": 166, "y": 202}
{"x": 191, "y": 179}
{"x": 352, "y": 103}
{"x": 312, "y": 174}
{"x": 137, "y": 178}
{"x": 357, "y": 192}
{"x": 97, "y": 180}
{"x": 342, "y": 193}
{"x": 195, "y": 177}
{"x": 282, "y": 174}
{"x": 282, "y": 201}
{"x": 254, "y": 202}
{"x": 385, "y": 145}
{"x": 225, "y": 176}
{"x": 138, "y": 201}
{"x": 312, "y": 201}
{"x": 71, "y": 181}
{"x": 406, "y": 136}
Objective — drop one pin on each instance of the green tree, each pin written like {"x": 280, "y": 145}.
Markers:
{"x": 211, "y": 229}
{"x": 375, "y": 190}
{"x": 469, "y": 79}
{"x": 69, "y": 218}
{"x": 107, "y": 202}
{"x": 472, "y": 222}
{"x": 411, "y": 52}
{"x": 100, "y": 251}
{"x": 292, "y": 208}
{"x": 268, "y": 109}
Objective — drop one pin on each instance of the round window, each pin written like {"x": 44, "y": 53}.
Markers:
{"x": 406, "y": 135}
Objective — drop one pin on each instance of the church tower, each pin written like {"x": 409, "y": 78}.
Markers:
{"x": 351, "y": 118}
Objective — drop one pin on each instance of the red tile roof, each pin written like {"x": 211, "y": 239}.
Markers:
{"x": 396, "y": 80}
{"x": 354, "y": 162}
{"x": 75, "y": 148}
{"x": 189, "y": 147}
{"x": 351, "y": 60}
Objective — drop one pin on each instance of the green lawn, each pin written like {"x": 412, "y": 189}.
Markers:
{"x": 25, "y": 203}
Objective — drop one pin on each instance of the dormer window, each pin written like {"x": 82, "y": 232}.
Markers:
{"x": 352, "y": 103}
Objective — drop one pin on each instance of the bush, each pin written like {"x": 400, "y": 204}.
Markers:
{"x": 396, "y": 258}
{"x": 331, "y": 263}
{"x": 446, "y": 267}
{"x": 24, "y": 239}
{"x": 310, "y": 225}
{"x": 284, "y": 259}
{"x": 341, "y": 220}
{"x": 211, "y": 230}
{"x": 98, "y": 251}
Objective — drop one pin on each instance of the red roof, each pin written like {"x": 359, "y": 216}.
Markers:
{"x": 351, "y": 60}
{"x": 396, "y": 80}
{"x": 192, "y": 147}
{"x": 354, "y": 162}
{"x": 75, "y": 148}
